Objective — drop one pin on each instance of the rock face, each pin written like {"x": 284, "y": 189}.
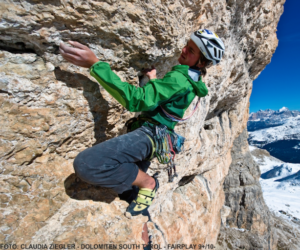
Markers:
{"x": 247, "y": 221}
{"x": 51, "y": 111}
{"x": 247, "y": 225}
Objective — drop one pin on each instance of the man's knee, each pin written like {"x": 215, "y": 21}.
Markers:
{"x": 82, "y": 168}
{"x": 88, "y": 166}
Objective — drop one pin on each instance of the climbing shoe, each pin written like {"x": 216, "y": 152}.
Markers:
{"x": 143, "y": 200}
{"x": 129, "y": 195}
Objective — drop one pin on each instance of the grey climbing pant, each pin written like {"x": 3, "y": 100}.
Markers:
{"x": 115, "y": 162}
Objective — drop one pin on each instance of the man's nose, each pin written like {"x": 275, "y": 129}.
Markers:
{"x": 184, "y": 50}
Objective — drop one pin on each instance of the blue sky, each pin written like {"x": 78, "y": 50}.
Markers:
{"x": 278, "y": 85}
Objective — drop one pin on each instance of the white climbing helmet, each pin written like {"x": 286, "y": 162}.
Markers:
{"x": 211, "y": 46}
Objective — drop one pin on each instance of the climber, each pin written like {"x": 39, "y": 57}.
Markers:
{"x": 121, "y": 163}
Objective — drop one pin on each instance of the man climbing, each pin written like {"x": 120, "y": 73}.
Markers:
{"x": 121, "y": 163}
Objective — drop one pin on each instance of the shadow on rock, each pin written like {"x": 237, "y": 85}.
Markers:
{"x": 80, "y": 190}
{"x": 91, "y": 91}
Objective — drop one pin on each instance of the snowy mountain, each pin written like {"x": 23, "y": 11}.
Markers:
{"x": 269, "y": 118}
{"x": 276, "y": 131}
{"x": 280, "y": 183}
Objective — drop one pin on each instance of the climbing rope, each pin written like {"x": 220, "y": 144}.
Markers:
{"x": 178, "y": 119}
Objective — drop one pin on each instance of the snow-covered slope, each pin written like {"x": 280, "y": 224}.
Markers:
{"x": 280, "y": 183}
{"x": 289, "y": 130}
{"x": 276, "y": 131}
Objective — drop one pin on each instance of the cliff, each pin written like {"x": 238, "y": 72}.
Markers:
{"x": 51, "y": 111}
{"x": 247, "y": 222}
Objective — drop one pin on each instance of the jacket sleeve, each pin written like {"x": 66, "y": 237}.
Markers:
{"x": 136, "y": 99}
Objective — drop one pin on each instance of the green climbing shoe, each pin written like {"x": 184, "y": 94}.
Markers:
{"x": 143, "y": 200}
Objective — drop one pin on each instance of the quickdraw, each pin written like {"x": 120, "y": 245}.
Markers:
{"x": 171, "y": 167}
{"x": 164, "y": 150}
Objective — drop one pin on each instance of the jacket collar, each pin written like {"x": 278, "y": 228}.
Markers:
{"x": 184, "y": 69}
{"x": 198, "y": 86}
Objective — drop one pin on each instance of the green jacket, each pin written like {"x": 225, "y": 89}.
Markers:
{"x": 174, "y": 92}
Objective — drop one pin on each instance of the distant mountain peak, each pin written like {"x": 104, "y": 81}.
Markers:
{"x": 270, "y": 118}
{"x": 283, "y": 109}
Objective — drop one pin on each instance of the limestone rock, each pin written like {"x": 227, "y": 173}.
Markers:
{"x": 247, "y": 222}
{"x": 51, "y": 111}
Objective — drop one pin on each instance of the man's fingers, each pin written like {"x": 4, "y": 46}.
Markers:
{"x": 77, "y": 45}
{"x": 64, "y": 53}
{"x": 71, "y": 58}
{"x": 68, "y": 49}
{"x": 79, "y": 54}
{"x": 146, "y": 70}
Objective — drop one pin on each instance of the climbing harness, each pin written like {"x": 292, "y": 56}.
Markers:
{"x": 166, "y": 143}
